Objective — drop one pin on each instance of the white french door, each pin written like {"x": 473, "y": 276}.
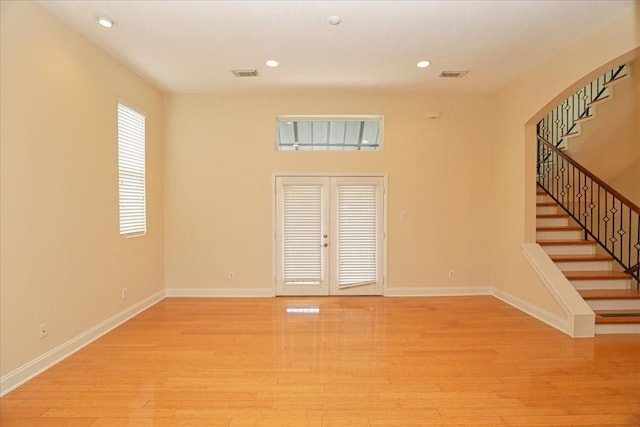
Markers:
{"x": 329, "y": 235}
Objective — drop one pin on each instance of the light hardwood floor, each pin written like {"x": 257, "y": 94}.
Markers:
{"x": 360, "y": 361}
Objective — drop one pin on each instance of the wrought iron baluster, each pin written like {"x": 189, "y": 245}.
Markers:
{"x": 637, "y": 260}
{"x": 605, "y": 215}
{"x": 573, "y": 189}
{"x": 630, "y": 234}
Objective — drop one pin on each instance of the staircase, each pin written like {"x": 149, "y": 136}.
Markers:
{"x": 564, "y": 121}
{"x": 611, "y": 294}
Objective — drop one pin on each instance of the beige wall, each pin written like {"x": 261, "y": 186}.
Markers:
{"x": 610, "y": 143}
{"x": 221, "y": 160}
{"x": 518, "y": 107}
{"x": 63, "y": 261}
{"x": 628, "y": 182}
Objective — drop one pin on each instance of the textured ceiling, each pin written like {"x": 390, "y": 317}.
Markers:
{"x": 191, "y": 46}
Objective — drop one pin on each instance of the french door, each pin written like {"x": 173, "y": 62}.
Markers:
{"x": 329, "y": 235}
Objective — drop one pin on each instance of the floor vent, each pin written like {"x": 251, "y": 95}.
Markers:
{"x": 245, "y": 73}
{"x": 453, "y": 74}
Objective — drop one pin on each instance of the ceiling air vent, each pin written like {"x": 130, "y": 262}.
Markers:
{"x": 245, "y": 73}
{"x": 453, "y": 74}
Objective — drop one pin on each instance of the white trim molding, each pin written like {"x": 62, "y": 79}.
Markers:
{"x": 579, "y": 321}
{"x": 534, "y": 311}
{"x": 24, "y": 373}
{"x": 220, "y": 292}
{"x": 443, "y": 291}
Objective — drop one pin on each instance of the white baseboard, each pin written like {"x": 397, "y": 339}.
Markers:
{"x": 579, "y": 319}
{"x": 438, "y": 291}
{"x": 534, "y": 311}
{"x": 221, "y": 292}
{"x": 24, "y": 373}
{"x": 21, "y": 375}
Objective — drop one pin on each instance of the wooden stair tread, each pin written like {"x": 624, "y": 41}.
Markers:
{"x": 567, "y": 135}
{"x": 583, "y": 119}
{"x": 580, "y": 258}
{"x": 560, "y": 228}
{"x": 596, "y": 275}
{"x": 598, "y": 101}
{"x": 556, "y": 215}
{"x": 565, "y": 242}
{"x": 609, "y": 294}
{"x": 541, "y": 204}
{"x": 612, "y": 81}
{"x": 620, "y": 318}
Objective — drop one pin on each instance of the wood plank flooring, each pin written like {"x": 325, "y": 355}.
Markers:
{"x": 357, "y": 361}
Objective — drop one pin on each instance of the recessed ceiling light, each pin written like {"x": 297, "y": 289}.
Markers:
{"x": 423, "y": 64}
{"x": 105, "y": 22}
{"x": 272, "y": 63}
{"x": 335, "y": 20}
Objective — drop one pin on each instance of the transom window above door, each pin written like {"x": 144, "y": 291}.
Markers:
{"x": 330, "y": 133}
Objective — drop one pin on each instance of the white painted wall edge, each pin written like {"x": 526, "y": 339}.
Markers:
{"x": 21, "y": 375}
{"x": 580, "y": 319}
{"x": 220, "y": 292}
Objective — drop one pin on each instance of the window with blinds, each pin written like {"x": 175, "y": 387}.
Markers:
{"x": 302, "y": 234}
{"x": 131, "y": 172}
{"x": 357, "y": 235}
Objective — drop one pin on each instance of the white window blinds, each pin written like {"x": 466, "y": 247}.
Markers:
{"x": 302, "y": 234}
{"x": 131, "y": 172}
{"x": 357, "y": 229}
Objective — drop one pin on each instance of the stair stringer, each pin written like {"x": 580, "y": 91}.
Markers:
{"x": 579, "y": 317}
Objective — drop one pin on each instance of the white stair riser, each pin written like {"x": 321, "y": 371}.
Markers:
{"x": 601, "y": 284}
{"x": 559, "y": 235}
{"x": 552, "y": 222}
{"x": 614, "y": 304}
{"x": 617, "y": 329}
{"x": 585, "y": 266}
{"x": 570, "y": 249}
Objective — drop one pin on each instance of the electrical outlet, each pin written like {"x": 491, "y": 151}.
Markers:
{"x": 44, "y": 331}
{"x": 124, "y": 293}
{"x": 451, "y": 274}
{"x": 232, "y": 275}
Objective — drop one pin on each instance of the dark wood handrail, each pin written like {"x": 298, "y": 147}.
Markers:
{"x": 591, "y": 175}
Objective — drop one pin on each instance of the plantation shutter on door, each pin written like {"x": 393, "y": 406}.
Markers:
{"x": 357, "y": 228}
{"x": 302, "y": 234}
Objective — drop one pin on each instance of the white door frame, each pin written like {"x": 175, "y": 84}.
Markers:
{"x": 274, "y": 222}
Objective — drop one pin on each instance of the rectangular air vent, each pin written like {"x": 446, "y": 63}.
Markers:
{"x": 453, "y": 74}
{"x": 245, "y": 73}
